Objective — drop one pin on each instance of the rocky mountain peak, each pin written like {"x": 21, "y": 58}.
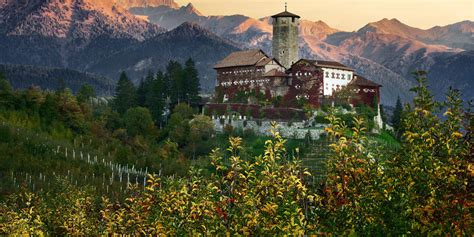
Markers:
{"x": 73, "y": 19}
{"x": 193, "y": 32}
{"x": 316, "y": 28}
{"x": 191, "y": 9}
{"x": 147, "y": 3}
{"x": 190, "y": 29}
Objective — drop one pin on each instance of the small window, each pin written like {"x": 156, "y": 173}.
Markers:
{"x": 333, "y": 74}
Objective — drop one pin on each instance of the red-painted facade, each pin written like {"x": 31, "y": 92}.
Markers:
{"x": 306, "y": 84}
{"x": 364, "y": 91}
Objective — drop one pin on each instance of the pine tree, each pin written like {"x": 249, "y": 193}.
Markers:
{"x": 6, "y": 92}
{"x": 5, "y": 86}
{"x": 61, "y": 87}
{"x": 166, "y": 85}
{"x": 144, "y": 89}
{"x": 191, "y": 80}
{"x": 174, "y": 73}
{"x": 85, "y": 93}
{"x": 49, "y": 109}
{"x": 397, "y": 114}
{"x": 125, "y": 97}
{"x": 155, "y": 98}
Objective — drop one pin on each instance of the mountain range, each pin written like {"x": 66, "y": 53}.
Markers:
{"x": 146, "y": 3}
{"x": 110, "y": 36}
{"x": 101, "y": 37}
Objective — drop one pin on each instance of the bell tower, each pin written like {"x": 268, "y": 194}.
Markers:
{"x": 285, "y": 37}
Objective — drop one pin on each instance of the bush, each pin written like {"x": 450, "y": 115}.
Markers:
{"x": 138, "y": 120}
{"x": 346, "y": 106}
{"x": 325, "y": 108}
{"x": 248, "y": 132}
{"x": 348, "y": 119}
{"x": 321, "y": 119}
{"x": 5, "y": 134}
{"x": 228, "y": 130}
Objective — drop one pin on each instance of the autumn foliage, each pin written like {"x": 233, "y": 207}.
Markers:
{"x": 424, "y": 188}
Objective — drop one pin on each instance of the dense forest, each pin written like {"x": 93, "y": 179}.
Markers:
{"x": 146, "y": 162}
{"x": 24, "y": 76}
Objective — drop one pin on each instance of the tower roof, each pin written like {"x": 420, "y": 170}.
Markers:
{"x": 286, "y": 13}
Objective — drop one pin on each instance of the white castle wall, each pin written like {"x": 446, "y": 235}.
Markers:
{"x": 332, "y": 83}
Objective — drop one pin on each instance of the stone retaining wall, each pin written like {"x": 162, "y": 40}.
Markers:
{"x": 297, "y": 130}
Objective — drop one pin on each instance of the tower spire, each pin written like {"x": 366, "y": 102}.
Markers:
{"x": 286, "y": 6}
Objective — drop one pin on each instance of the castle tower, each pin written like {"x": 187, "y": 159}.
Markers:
{"x": 285, "y": 37}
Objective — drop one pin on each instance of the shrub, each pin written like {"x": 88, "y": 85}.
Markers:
{"x": 325, "y": 108}
{"x": 248, "y": 132}
{"x": 321, "y": 119}
{"x": 346, "y": 106}
{"x": 5, "y": 134}
{"x": 228, "y": 130}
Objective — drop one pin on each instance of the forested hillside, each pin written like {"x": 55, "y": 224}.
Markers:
{"x": 24, "y": 76}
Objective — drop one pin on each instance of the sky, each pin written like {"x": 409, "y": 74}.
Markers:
{"x": 348, "y": 15}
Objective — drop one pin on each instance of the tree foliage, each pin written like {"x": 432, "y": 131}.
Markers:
{"x": 125, "y": 94}
{"x": 424, "y": 189}
{"x": 85, "y": 93}
{"x": 6, "y": 92}
{"x": 138, "y": 121}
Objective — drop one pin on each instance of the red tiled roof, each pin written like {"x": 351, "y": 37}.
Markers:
{"x": 332, "y": 64}
{"x": 264, "y": 62}
{"x": 242, "y": 58}
{"x": 361, "y": 81}
{"x": 327, "y": 64}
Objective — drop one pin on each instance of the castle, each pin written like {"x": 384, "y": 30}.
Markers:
{"x": 285, "y": 80}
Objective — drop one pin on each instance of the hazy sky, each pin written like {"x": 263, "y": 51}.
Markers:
{"x": 348, "y": 14}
